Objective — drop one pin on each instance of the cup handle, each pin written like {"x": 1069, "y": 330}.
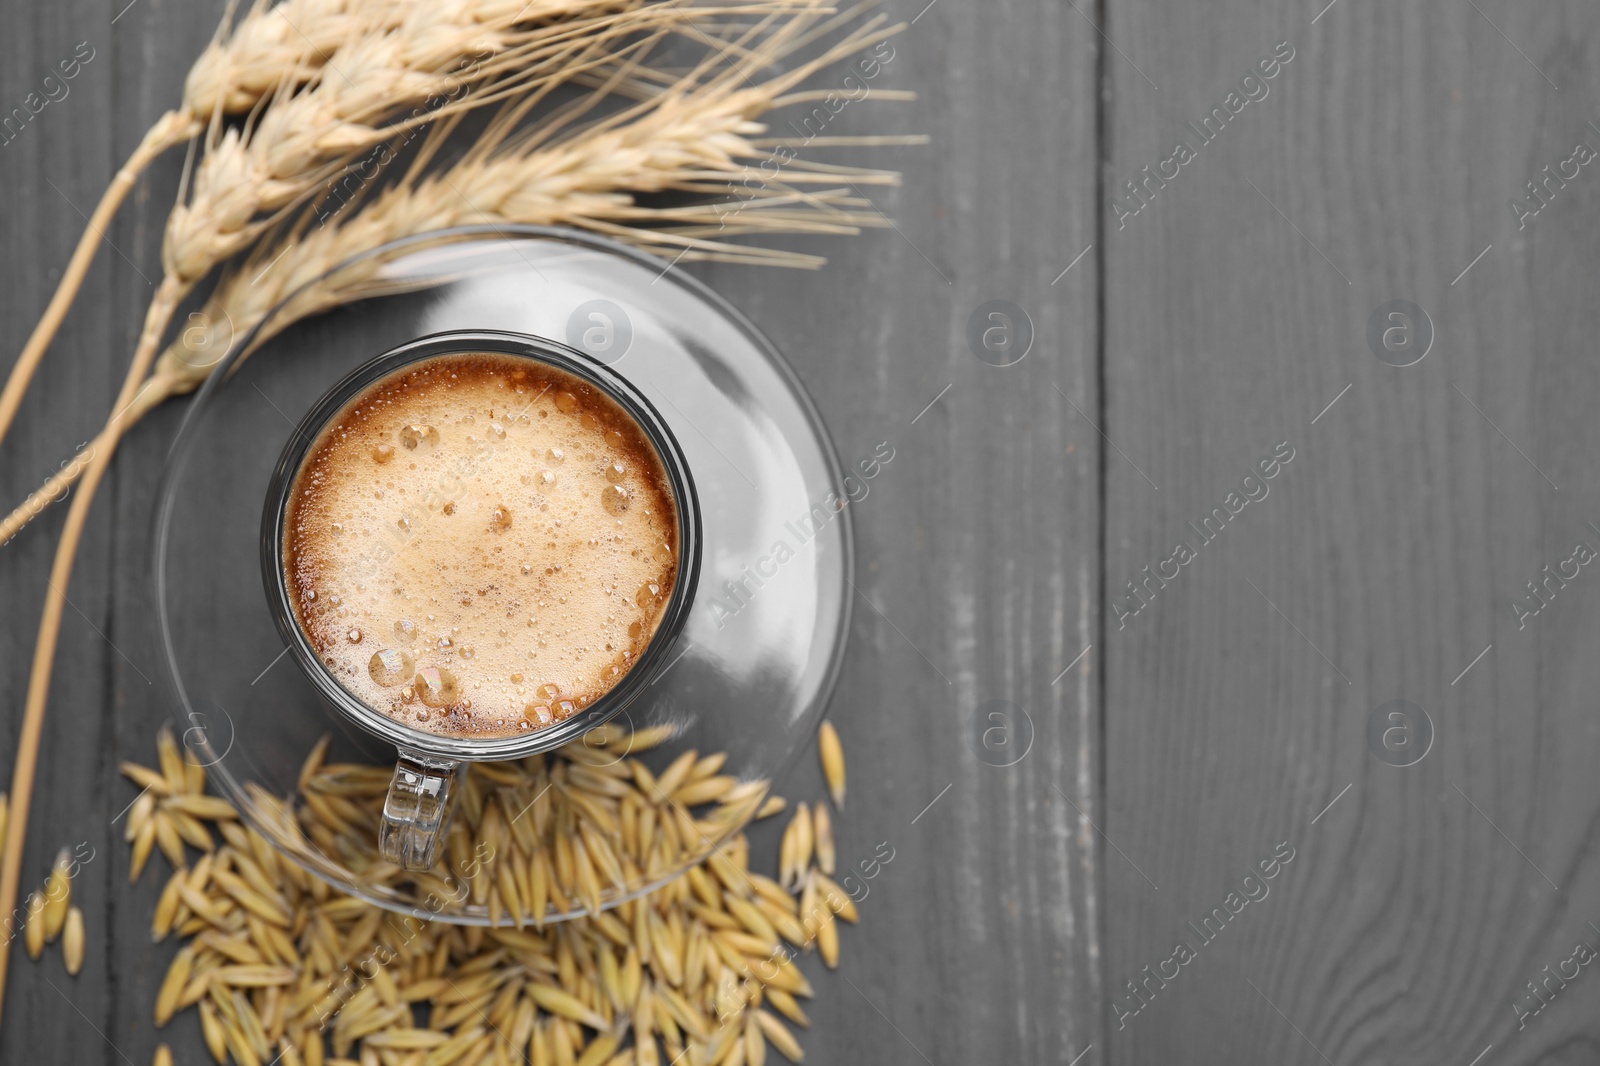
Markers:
{"x": 417, "y": 810}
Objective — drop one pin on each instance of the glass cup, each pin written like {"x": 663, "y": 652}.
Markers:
{"x": 417, "y": 810}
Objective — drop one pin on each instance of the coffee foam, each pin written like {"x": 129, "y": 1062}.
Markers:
{"x": 480, "y": 545}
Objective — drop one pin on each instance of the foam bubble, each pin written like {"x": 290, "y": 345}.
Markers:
{"x": 390, "y": 666}
{"x": 418, "y": 433}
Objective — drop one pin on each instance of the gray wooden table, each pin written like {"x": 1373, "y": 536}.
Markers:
{"x": 1197, "y": 663}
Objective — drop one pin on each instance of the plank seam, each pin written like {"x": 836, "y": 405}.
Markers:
{"x": 1100, "y": 691}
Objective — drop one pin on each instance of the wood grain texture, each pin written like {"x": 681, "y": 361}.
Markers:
{"x": 154, "y": 46}
{"x": 52, "y": 165}
{"x": 975, "y": 547}
{"x": 1385, "y": 558}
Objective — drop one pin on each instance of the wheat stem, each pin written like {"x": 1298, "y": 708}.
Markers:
{"x": 173, "y": 128}
{"x": 166, "y": 298}
{"x": 157, "y": 388}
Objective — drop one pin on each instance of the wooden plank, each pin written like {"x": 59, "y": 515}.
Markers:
{"x": 976, "y": 547}
{"x": 1386, "y": 554}
{"x": 56, "y": 156}
{"x": 160, "y": 43}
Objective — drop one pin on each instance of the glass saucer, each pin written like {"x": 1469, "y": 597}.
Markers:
{"x": 754, "y": 665}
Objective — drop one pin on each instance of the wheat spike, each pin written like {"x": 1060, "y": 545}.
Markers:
{"x": 429, "y": 64}
{"x": 269, "y": 44}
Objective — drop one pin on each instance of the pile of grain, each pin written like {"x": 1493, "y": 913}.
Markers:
{"x": 282, "y": 967}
